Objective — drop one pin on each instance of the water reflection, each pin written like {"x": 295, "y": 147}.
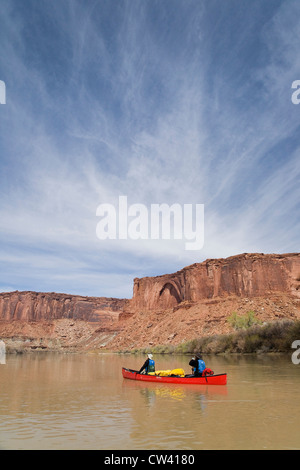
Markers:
{"x": 178, "y": 392}
{"x": 170, "y": 405}
{"x": 83, "y": 402}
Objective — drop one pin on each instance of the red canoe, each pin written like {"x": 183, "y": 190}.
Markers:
{"x": 218, "y": 379}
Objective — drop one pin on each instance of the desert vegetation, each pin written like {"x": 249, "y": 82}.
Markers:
{"x": 254, "y": 338}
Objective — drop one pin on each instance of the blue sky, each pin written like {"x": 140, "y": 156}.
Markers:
{"x": 164, "y": 101}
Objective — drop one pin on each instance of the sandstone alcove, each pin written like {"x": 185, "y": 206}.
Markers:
{"x": 169, "y": 296}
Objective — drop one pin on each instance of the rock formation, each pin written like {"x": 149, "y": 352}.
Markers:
{"x": 246, "y": 275}
{"x": 196, "y": 300}
{"x": 38, "y": 306}
{"x": 37, "y": 321}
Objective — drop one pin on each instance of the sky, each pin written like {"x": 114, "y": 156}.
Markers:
{"x": 161, "y": 101}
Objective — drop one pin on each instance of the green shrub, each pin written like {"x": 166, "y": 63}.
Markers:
{"x": 273, "y": 337}
{"x": 242, "y": 322}
{"x": 253, "y": 343}
{"x": 187, "y": 347}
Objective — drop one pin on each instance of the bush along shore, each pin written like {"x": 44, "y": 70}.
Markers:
{"x": 275, "y": 337}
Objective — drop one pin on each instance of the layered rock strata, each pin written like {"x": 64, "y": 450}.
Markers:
{"x": 196, "y": 300}
{"x": 38, "y": 306}
{"x": 246, "y": 275}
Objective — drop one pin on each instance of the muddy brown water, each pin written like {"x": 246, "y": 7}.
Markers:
{"x": 61, "y": 401}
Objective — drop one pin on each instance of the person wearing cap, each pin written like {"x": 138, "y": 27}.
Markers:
{"x": 198, "y": 365}
{"x": 148, "y": 366}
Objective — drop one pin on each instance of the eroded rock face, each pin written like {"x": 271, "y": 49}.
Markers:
{"x": 246, "y": 275}
{"x": 195, "y": 301}
{"x": 37, "y": 306}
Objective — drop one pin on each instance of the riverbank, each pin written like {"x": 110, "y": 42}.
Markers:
{"x": 274, "y": 337}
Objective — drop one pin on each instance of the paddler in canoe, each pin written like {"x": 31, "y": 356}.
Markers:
{"x": 148, "y": 366}
{"x": 199, "y": 367}
{"x": 201, "y": 374}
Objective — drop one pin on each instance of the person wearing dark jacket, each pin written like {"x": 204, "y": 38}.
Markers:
{"x": 198, "y": 365}
{"x": 148, "y": 366}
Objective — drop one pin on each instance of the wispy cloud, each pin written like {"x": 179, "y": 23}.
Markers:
{"x": 163, "y": 102}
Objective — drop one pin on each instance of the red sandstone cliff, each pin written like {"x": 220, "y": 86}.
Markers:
{"x": 36, "y": 320}
{"x": 197, "y": 300}
{"x": 38, "y": 306}
{"x": 164, "y": 309}
{"x": 246, "y": 275}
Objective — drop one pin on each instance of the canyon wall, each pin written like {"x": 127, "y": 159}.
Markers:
{"x": 245, "y": 275}
{"x": 167, "y": 309}
{"x": 38, "y": 306}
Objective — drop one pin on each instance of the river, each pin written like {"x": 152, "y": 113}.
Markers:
{"x": 81, "y": 401}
